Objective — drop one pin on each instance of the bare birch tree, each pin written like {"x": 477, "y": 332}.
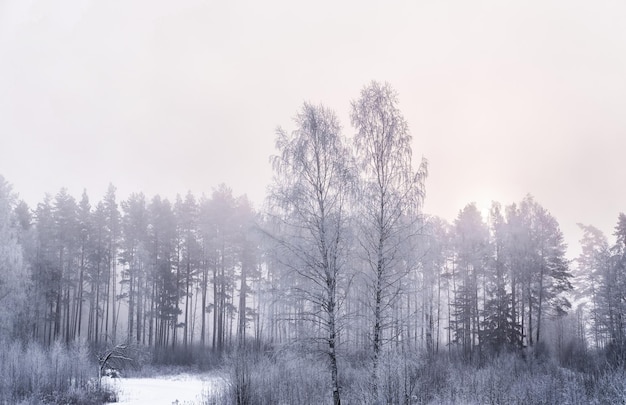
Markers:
{"x": 311, "y": 190}
{"x": 390, "y": 196}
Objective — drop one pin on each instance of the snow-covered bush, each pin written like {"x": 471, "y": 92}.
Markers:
{"x": 293, "y": 377}
{"x": 58, "y": 374}
{"x": 285, "y": 377}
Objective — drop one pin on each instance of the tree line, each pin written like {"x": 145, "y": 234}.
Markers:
{"x": 341, "y": 258}
{"x": 146, "y": 272}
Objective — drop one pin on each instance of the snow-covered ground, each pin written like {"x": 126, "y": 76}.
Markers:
{"x": 187, "y": 389}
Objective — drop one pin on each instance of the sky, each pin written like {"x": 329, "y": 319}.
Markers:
{"x": 503, "y": 98}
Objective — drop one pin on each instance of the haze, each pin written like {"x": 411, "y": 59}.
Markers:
{"x": 503, "y": 98}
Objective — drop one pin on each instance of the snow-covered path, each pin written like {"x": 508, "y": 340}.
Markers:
{"x": 187, "y": 389}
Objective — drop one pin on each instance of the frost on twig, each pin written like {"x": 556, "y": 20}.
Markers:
{"x": 113, "y": 360}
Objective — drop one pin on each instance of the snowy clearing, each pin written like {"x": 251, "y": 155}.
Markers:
{"x": 187, "y": 389}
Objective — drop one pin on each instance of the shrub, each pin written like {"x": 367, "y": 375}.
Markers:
{"x": 58, "y": 374}
{"x": 289, "y": 377}
{"x": 279, "y": 378}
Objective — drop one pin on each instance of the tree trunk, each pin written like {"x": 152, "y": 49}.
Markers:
{"x": 332, "y": 351}
{"x": 131, "y": 298}
{"x": 241, "y": 333}
{"x": 530, "y": 315}
{"x": 377, "y": 326}
{"x": 186, "y": 329}
{"x": 216, "y": 307}
{"x": 205, "y": 271}
{"x": 539, "y": 307}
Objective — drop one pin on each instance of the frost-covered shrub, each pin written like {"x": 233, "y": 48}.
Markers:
{"x": 279, "y": 378}
{"x": 402, "y": 378}
{"x": 510, "y": 379}
{"x": 412, "y": 378}
{"x": 57, "y": 374}
{"x": 610, "y": 388}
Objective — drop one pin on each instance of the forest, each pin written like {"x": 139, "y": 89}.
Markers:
{"x": 339, "y": 288}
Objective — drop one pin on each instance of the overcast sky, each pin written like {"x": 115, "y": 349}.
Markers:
{"x": 503, "y": 98}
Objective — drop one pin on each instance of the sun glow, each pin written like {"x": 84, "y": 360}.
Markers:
{"x": 483, "y": 201}
{"x": 484, "y": 207}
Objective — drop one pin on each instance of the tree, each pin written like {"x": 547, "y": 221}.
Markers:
{"x": 593, "y": 268}
{"x": 247, "y": 247}
{"x": 112, "y": 216}
{"x": 500, "y": 328}
{"x": 436, "y": 248}
{"x": 46, "y": 274}
{"x": 13, "y": 275}
{"x": 163, "y": 287}
{"x": 97, "y": 273}
{"x": 311, "y": 189}
{"x": 206, "y": 236}
{"x": 516, "y": 253}
{"x": 220, "y": 234}
{"x": 613, "y": 290}
{"x": 471, "y": 252}
{"x": 65, "y": 216}
{"x": 389, "y": 191}
{"x": 540, "y": 267}
{"x": 134, "y": 259}
{"x": 553, "y": 276}
{"x": 187, "y": 217}
{"x": 84, "y": 234}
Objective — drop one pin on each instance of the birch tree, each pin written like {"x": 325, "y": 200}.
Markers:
{"x": 310, "y": 193}
{"x": 389, "y": 190}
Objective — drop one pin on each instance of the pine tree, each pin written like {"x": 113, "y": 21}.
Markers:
{"x": 500, "y": 327}
{"x": 13, "y": 274}
{"x": 471, "y": 251}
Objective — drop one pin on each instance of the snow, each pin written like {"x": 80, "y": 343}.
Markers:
{"x": 181, "y": 389}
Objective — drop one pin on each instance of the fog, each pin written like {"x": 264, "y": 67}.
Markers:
{"x": 337, "y": 288}
{"x": 502, "y": 98}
